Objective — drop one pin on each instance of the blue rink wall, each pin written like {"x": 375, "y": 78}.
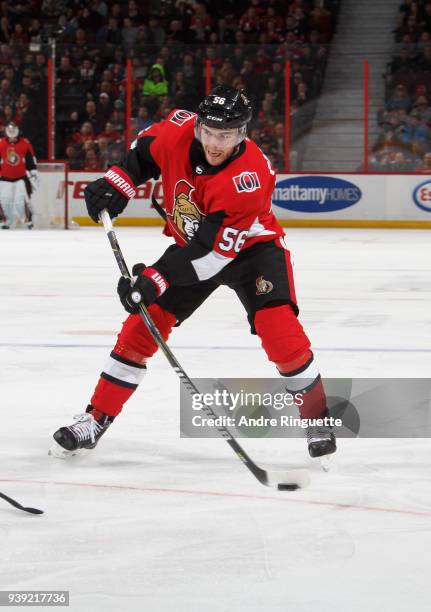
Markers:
{"x": 322, "y": 200}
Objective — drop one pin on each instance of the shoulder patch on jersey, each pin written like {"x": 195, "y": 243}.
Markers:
{"x": 246, "y": 181}
{"x": 181, "y": 116}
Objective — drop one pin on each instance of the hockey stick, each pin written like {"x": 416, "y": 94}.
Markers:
{"x": 288, "y": 480}
{"x": 17, "y": 505}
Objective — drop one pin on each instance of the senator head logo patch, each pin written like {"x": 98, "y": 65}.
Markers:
{"x": 12, "y": 157}
{"x": 185, "y": 215}
{"x": 246, "y": 181}
{"x": 263, "y": 286}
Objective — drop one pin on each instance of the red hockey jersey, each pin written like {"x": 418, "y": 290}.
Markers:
{"x": 241, "y": 188}
{"x": 15, "y": 159}
{"x": 213, "y": 212}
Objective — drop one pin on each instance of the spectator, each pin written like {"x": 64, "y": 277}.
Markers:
{"x": 92, "y": 162}
{"x": 104, "y": 107}
{"x": 117, "y": 120}
{"x": 179, "y": 89}
{"x": 53, "y": 8}
{"x": 99, "y": 6}
{"x": 189, "y": 69}
{"x": 200, "y": 33}
{"x": 427, "y": 17}
{"x": 143, "y": 119}
{"x": 110, "y": 35}
{"x": 129, "y": 33}
{"x": 7, "y": 116}
{"x": 5, "y": 30}
{"x": 85, "y": 133}
{"x": 399, "y": 163}
{"x": 40, "y": 65}
{"x": 6, "y": 94}
{"x": 90, "y": 20}
{"x": 104, "y": 152}
{"x": 224, "y": 32}
{"x": 424, "y": 59}
{"x": 66, "y": 75}
{"x": 90, "y": 115}
{"x": 402, "y": 63}
{"x": 155, "y": 84}
{"x": 422, "y": 110}
{"x": 425, "y": 167}
{"x": 251, "y": 80}
{"x": 110, "y": 133}
{"x": 133, "y": 12}
{"x": 156, "y": 34}
{"x": 399, "y": 99}
{"x": 87, "y": 72}
{"x": 74, "y": 156}
{"x": 249, "y": 25}
{"x": 176, "y": 33}
{"x": 19, "y": 36}
{"x": 420, "y": 134}
{"x": 226, "y": 73}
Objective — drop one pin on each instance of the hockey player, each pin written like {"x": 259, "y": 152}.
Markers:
{"x": 217, "y": 187}
{"x": 17, "y": 169}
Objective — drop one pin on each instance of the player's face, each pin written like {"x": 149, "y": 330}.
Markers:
{"x": 218, "y": 145}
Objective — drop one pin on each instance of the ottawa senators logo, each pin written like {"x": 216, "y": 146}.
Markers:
{"x": 246, "y": 181}
{"x": 263, "y": 286}
{"x": 12, "y": 157}
{"x": 186, "y": 215}
{"x": 181, "y": 116}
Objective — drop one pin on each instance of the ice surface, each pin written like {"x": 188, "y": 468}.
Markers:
{"x": 153, "y": 522}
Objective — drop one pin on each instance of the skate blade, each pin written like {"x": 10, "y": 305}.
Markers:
{"x": 326, "y": 462}
{"x": 58, "y": 452}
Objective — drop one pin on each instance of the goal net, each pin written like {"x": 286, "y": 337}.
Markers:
{"x": 49, "y": 205}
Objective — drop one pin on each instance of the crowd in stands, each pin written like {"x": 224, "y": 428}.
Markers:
{"x": 404, "y": 143}
{"x": 168, "y": 42}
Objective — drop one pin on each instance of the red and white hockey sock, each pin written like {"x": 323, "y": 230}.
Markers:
{"x": 126, "y": 366}
{"x": 306, "y": 382}
{"x": 118, "y": 381}
{"x": 288, "y": 347}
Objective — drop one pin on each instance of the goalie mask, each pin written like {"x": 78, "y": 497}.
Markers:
{"x": 12, "y": 131}
{"x": 226, "y": 109}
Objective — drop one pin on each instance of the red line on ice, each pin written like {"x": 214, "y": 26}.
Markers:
{"x": 289, "y": 499}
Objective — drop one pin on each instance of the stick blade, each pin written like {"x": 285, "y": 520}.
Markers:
{"x": 16, "y": 504}
{"x": 32, "y": 510}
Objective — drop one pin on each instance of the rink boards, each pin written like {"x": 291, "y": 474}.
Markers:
{"x": 325, "y": 200}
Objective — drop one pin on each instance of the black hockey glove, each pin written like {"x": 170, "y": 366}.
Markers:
{"x": 145, "y": 288}
{"x": 112, "y": 192}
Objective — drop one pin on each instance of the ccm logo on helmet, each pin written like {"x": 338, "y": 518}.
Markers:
{"x": 246, "y": 181}
{"x": 181, "y": 116}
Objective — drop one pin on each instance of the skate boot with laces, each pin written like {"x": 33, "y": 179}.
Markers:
{"x": 321, "y": 439}
{"x": 84, "y": 433}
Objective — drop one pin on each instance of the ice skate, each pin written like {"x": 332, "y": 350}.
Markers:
{"x": 321, "y": 442}
{"x": 84, "y": 434}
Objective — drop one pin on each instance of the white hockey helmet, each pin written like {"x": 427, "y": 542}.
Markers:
{"x": 12, "y": 130}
